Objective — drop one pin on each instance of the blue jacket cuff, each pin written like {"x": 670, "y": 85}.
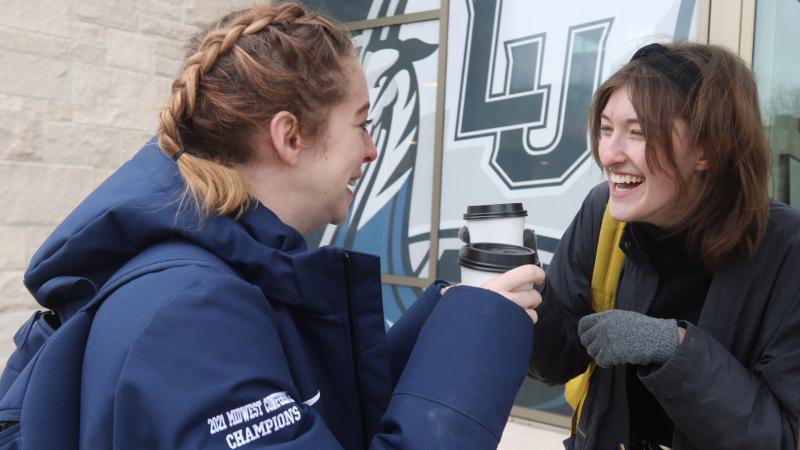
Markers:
{"x": 471, "y": 356}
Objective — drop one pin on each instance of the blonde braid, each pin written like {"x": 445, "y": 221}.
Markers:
{"x": 241, "y": 73}
{"x": 215, "y": 188}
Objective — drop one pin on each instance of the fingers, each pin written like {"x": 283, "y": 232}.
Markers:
{"x": 593, "y": 350}
{"x": 447, "y": 288}
{"x": 518, "y": 277}
{"x": 588, "y": 330}
{"x": 604, "y": 360}
{"x": 599, "y": 354}
{"x": 528, "y": 298}
{"x": 588, "y": 322}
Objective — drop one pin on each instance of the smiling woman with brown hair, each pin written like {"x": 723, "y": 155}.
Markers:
{"x": 700, "y": 349}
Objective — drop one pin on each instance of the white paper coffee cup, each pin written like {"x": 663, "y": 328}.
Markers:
{"x": 502, "y": 223}
{"x": 481, "y": 262}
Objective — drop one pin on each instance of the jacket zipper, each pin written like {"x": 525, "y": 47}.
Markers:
{"x": 351, "y": 322}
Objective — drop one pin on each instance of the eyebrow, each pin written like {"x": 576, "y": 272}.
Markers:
{"x": 363, "y": 109}
{"x": 627, "y": 121}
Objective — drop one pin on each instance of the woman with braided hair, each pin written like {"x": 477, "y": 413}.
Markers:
{"x": 226, "y": 331}
{"x": 701, "y": 349}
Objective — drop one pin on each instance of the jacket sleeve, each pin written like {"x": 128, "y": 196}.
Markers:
{"x": 558, "y": 354}
{"x": 205, "y": 375}
{"x": 739, "y": 406}
{"x": 403, "y": 334}
{"x": 461, "y": 378}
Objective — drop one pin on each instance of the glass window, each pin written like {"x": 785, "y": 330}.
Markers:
{"x": 396, "y": 299}
{"x": 352, "y": 10}
{"x": 776, "y": 63}
{"x": 520, "y": 77}
{"x": 519, "y": 80}
{"x": 391, "y": 211}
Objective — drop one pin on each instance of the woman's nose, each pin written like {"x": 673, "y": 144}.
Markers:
{"x": 370, "y": 152}
{"x": 611, "y": 151}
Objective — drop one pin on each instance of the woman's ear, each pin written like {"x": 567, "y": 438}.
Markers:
{"x": 284, "y": 130}
{"x": 701, "y": 163}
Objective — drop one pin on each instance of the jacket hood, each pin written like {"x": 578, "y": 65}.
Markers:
{"x": 140, "y": 205}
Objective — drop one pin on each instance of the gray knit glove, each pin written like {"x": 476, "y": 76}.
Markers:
{"x": 625, "y": 337}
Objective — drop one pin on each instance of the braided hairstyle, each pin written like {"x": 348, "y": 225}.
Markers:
{"x": 239, "y": 74}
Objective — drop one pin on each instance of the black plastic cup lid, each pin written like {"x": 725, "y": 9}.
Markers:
{"x": 495, "y": 211}
{"x": 490, "y": 257}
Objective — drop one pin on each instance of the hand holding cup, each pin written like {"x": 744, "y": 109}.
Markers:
{"x": 517, "y": 286}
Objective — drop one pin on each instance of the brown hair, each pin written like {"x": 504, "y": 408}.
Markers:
{"x": 722, "y": 113}
{"x": 237, "y": 75}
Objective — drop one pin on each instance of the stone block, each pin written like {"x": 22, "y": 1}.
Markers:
{"x": 38, "y": 194}
{"x": 115, "y": 98}
{"x": 50, "y": 46}
{"x": 13, "y": 254}
{"x": 59, "y": 111}
{"x": 168, "y": 67}
{"x": 115, "y": 13}
{"x": 101, "y": 175}
{"x": 166, "y": 9}
{"x": 81, "y": 145}
{"x": 168, "y": 48}
{"x": 164, "y": 28}
{"x": 131, "y": 142}
{"x": 88, "y": 32}
{"x": 14, "y": 295}
{"x": 34, "y": 238}
{"x": 21, "y": 128}
{"x": 33, "y": 76}
{"x": 9, "y": 323}
{"x": 130, "y": 51}
{"x": 47, "y": 16}
{"x": 204, "y": 12}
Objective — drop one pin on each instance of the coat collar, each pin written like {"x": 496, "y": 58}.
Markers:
{"x": 140, "y": 205}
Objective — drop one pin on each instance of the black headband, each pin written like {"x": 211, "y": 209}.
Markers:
{"x": 684, "y": 73}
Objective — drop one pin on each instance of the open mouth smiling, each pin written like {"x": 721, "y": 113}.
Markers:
{"x": 624, "y": 183}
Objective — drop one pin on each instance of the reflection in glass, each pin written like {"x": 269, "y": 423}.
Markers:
{"x": 776, "y": 65}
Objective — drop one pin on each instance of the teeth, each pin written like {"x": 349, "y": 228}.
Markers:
{"x": 625, "y": 179}
{"x": 352, "y": 183}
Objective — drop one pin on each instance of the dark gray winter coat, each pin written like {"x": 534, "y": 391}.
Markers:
{"x": 734, "y": 382}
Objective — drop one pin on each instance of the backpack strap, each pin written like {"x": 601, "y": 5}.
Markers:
{"x": 156, "y": 258}
{"x": 50, "y": 410}
{"x": 605, "y": 276}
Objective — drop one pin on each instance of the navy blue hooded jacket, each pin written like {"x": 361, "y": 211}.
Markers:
{"x": 273, "y": 345}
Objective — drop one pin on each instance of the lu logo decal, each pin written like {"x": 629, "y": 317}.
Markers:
{"x": 522, "y": 106}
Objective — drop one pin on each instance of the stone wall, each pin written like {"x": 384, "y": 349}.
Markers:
{"x": 81, "y": 84}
